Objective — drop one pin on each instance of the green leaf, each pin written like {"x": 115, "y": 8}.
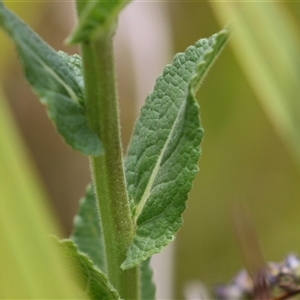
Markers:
{"x": 94, "y": 282}
{"x": 74, "y": 62}
{"x": 164, "y": 150}
{"x": 147, "y": 285}
{"x": 54, "y": 82}
{"x": 96, "y": 17}
{"x": 87, "y": 233}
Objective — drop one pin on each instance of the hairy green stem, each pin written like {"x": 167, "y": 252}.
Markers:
{"x": 102, "y": 113}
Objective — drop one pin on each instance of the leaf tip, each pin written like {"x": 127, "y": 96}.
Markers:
{"x": 129, "y": 264}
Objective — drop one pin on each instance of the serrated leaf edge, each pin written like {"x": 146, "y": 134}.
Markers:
{"x": 195, "y": 81}
{"x": 194, "y": 85}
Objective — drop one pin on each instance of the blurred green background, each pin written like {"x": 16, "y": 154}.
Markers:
{"x": 249, "y": 153}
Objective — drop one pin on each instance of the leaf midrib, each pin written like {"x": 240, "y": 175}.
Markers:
{"x": 69, "y": 90}
{"x": 156, "y": 168}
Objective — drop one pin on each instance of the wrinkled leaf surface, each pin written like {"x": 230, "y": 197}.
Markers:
{"x": 162, "y": 158}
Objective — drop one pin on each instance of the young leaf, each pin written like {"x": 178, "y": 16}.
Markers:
{"x": 95, "y": 18}
{"x": 54, "y": 82}
{"x": 147, "y": 285}
{"x": 94, "y": 282}
{"x": 87, "y": 233}
{"x": 163, "y": 153}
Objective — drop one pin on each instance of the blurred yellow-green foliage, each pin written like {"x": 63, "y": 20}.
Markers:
{"x": 250, "y": 151}
{"x": 31, "y": 266}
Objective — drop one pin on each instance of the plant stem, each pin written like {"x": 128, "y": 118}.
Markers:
{"x": 102, "y": 113}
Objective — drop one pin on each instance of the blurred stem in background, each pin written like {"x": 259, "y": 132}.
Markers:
{"x": 267, "y": 45}
{"x": 249, "y": 153}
